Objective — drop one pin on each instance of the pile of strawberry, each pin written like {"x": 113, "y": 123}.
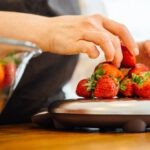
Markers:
{"x": 7, "y": 71}
{"x": 107, "y": 81}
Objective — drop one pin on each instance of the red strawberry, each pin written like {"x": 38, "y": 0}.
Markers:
{"x": 142, "y": 84}
{"x": 143, "y": 90}
{"x": 106, "y": 87}
{"x": 138, "y": 69}
{"x": 108, "y": 69}
{"x": 82, "y": 89}
{"x": 126, "y": 87}
{"x": 10, "y": 71}
{"x": 129, "y": 60}
{"x": 2, "y": 75}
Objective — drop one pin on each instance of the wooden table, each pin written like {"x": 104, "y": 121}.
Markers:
{"x": 30, "y": 137}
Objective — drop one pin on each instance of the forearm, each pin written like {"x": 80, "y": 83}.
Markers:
{"x": 24, "y": 27}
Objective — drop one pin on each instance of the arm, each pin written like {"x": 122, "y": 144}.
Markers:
{"x": 23, "y": 26}
{"x": 70, "y": 35}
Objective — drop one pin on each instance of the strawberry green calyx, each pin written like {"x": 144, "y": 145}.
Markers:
{"x": 108, "y": 69}
{"x": 81, "y": 89}
{"x": 124, "y": 83}
{"x": 126, "y": 87}
{"x": 122, "y": 87}
{"x": 91, "y": 83}
{"x": 99, "y": 72}
{"x": 137, "y": 79}
{"x": 140, "y": 79}
{"x": 117, "y": 80}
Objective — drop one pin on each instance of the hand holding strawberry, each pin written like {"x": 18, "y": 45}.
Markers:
{"x": 108, "y": 81}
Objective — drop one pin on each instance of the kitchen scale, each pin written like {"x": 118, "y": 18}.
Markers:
{"x": 131, "y": 115}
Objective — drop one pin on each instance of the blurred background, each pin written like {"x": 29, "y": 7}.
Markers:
{"x": 135, "y": 14}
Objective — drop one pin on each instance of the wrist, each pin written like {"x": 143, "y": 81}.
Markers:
{"x": 39, "y": 34}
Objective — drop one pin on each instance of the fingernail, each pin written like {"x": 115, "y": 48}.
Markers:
{"x": 136, "y": 51}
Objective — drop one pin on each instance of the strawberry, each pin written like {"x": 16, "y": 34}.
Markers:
{"x": 126, "y": 87}
{"x": 108, "y": 69}
{"x": 129, "y": 60}
{"x": 137, "y": 69}
{"x": 10, "y": 71}
{"x": 142, "y": 84}
{"x": 2, "y": 74}
{"x": 83, "y": 89}
{"x": 106, "y": 87}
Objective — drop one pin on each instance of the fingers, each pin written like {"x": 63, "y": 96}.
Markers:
{"x": 118, "y": 55}
{"x": 118, "y": 51}
{"x": 103, "y": 40}
{"x": 122, "y": 32}
{"x": 87, "y": 47}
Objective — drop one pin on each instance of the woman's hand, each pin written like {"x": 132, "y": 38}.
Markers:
{"x": 70, "y": 35}
{"x": 144, "y": 55}
{"x": 81, "y": 34}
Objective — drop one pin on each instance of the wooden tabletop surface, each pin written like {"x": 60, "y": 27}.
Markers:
{"x": 30, "y": 137}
